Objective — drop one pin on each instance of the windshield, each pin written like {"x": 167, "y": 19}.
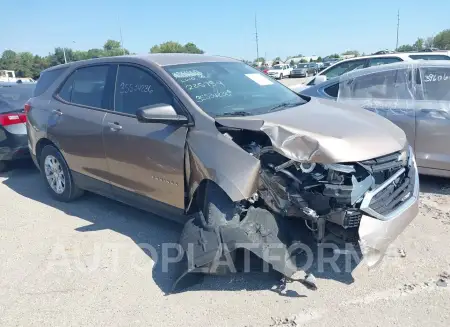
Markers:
{"x": 13, "y": 97}
{"x": 302, "y": 66}
{"x": 276, "y": 67}
{"x": 232, "y": 88}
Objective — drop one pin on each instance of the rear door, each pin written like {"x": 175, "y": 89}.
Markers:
{"x": 76, "y": 122}
{"x": 146, "y": 159}
{"x": 433, "y": 118}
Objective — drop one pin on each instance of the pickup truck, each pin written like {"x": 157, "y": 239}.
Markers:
{"x": 279, "y": 71}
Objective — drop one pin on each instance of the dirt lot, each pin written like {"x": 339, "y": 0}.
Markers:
{"x": 80, "y": 264}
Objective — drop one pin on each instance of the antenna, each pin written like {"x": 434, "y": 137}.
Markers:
{"x": 256, "y": 37}
{"x": 398, "y": 27}
{"x": 121, "y": 39}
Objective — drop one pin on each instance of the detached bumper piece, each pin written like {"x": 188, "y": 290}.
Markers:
{"x": 205, "y": 250}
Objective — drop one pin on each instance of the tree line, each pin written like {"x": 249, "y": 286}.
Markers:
{"x": 25, "y": 64}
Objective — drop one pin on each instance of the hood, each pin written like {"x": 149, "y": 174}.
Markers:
{"x": 324, "y": 131}
{"x": 274, "y": 70}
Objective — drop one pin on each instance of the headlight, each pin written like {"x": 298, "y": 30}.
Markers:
{"x": 403, "y": 157}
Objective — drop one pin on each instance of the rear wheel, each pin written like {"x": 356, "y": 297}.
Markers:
{"x": 57, "y": 175}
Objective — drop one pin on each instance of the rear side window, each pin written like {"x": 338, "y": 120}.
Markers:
{"x": 429, "y": 57}
{"x": 46, "y": 79}
{"x": 436, "y": 83}
{"x": 383, "y": 61}
{"x": 136, "y": 88}
{"x": 332, "y": 90}
{"x": 86, "y": 86}
{"x": 391, "y": 84}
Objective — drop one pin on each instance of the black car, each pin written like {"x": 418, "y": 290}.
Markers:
{"x": 13, "y": 132}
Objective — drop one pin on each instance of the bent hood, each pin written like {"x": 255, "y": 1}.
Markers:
{"x": 324, "y": 131}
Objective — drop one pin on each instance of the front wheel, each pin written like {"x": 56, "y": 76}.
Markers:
{"x": 281, "y": 76}
{"x": 3, "y": 166}
{"x": 57, "y": 175}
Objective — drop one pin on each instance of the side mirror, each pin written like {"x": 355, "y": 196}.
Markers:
{"x": 319, "y": 79}
{"x": 161, "y": 114}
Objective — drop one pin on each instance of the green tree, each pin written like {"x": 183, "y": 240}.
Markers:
{"x": 260, "y": 59}
{"x": 429, "y": 42}
{"x": 351, "y": 52}
{"x": 303, "y": 60}
{"x": 418, "y": 45}
{"x": 111, "y": 45}
{"x": 319, "y": 59}
{"x": 334, "y": 55}
{"x": 277, "y": 59}
{"x": 442, "y": 40}
{"x": 192, "y": 48}
{"x": 292, "y": 63}
{"x": 405, "y": 48}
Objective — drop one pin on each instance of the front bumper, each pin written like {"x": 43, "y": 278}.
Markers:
{"x": 377, "y": 234}
{"x": 300, "y": 74}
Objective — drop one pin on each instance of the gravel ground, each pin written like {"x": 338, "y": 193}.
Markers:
{"x": 295, "y": 81}
{"x": 79, "y": 264}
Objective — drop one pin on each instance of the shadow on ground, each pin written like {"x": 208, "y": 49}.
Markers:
{"x": 145, "y": 228}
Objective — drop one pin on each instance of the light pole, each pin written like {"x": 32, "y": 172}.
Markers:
{"x": 64, "y": 52}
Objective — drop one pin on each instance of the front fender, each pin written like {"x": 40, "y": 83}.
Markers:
{"x": 219, "y": 159}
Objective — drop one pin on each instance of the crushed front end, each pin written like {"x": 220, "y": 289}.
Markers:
{"x": 370, "y": 202}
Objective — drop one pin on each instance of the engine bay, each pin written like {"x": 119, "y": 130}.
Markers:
{"x": 326, "y": 196}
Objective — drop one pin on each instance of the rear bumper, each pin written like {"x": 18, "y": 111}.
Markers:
{"x": 13, "y": 143}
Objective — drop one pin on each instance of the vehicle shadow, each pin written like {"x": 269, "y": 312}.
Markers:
{"x": 144, "y": 229}
{"x": 434, "y": 185}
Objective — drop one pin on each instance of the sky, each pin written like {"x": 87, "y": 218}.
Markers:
{"x": 285, "y": 28}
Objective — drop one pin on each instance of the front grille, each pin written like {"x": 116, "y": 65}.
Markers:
{"x": 387, "y": 198}
{"x": 382, "y": 168}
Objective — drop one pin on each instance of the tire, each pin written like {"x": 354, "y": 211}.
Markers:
{"x": 3, "y": 166}
{"x": 281, "y": 76}
{"x": 218, "y": 209}
{"x": 52, "y": 163}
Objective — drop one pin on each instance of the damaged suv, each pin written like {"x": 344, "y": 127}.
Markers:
{"x": 216, "y": 145}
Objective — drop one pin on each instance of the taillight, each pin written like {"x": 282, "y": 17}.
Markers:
{"x": 27, "y": 107}
{"x": 12, "y": 119}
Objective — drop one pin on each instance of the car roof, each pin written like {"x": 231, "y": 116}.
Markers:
{"x": 159, "y": 59}
{"x": 394, "y": 66}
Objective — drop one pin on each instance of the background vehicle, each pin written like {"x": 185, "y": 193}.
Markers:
{"x": 13, "y": 133}
{"x": 217, "y": 145}
{"x": 279, "y": 71}
{"x": 7, "y": 76}
{"x": 304, "y": 70}
{"x": 415, "y": 95}
{"x": 264, "y": 69}
{"x": 348, "y": 65}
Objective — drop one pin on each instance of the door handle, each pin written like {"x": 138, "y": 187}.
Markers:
{"x": 114, "y": 126}
{"x": 57, "y": 111}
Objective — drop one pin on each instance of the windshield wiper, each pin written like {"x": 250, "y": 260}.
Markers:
{"x": 285, "y": 105}
{"x": 235, "y": 113}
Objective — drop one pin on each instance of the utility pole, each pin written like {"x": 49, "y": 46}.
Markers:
{"x": 398, "y": 27}
{"x": 256, "y": 37}
{"x": 121, "y": 39}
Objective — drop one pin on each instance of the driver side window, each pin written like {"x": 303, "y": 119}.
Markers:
{"x": 136, "y": 88}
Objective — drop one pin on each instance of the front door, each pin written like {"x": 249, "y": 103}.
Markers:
{"x": 76, "y": 121}
{"x": 433, "y": 118}
{"x": 144, "y": 159}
